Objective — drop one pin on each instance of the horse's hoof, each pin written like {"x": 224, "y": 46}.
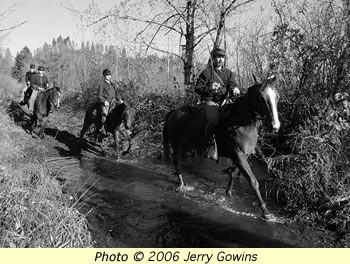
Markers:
{"x": 229, "y": 193}
{"x": 124, "y": 153}
{"x": 184, "y": 188}
{"x": 269, "y": 217}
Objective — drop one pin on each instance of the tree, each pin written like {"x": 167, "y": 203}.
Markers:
{"x": 187, "y": 20}
{"x": 6, "y": 62}
{"x": 22, "y": 62}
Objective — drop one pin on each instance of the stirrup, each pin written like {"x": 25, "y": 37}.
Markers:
{"x": 212, "y": 150}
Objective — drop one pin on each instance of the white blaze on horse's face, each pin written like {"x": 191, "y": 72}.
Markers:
{"x": 272, "y": 100}
{"x": 58, "y": 99}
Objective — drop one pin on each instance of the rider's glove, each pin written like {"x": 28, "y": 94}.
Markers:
{"x": 236, "y": 91}
{"x": 215, "y": 86}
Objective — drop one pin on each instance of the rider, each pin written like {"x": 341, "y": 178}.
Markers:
{"x": 214, "y": 84}
{"x": 107, "y": 92}
{"x": 29, "y": 81}
{"x": 40, "y": 82}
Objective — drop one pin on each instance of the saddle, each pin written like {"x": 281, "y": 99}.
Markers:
{"x": 194, "y": 109}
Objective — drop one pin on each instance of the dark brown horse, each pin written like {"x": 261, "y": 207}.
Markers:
{"x": 118, "y": 115}
{"x": 236, "y": 135}
{"x": 44, "y": 103}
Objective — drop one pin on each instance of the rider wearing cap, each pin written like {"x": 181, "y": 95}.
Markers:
{"x": 107, "y": 92}
{"x": 29, "y": 80}
{"x": 213, "y": 85}
{"x": 40, "y": 82}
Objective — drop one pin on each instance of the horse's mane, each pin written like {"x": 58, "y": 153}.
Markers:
{"x": 229, "y": 111}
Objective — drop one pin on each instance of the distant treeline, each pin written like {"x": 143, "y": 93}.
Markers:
{"x": 72, "y": 67}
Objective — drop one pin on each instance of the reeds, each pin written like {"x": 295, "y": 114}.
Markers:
{"x": 34, "y": 212}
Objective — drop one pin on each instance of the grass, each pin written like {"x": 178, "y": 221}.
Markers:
{"x": 34, "y": 212}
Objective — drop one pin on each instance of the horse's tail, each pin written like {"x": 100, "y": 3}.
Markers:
{"x": 166, "y": 143}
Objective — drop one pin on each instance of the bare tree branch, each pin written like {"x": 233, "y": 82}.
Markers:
{"x": 231, "y": 7}
{"x": 134, "y": 19}
{"x": 177, "y": 11}
{"x": 13, "y": 27}
{"x": 154, "y": 36}
{"x": 146, "y": 27}
{"x": 163, "y": 51}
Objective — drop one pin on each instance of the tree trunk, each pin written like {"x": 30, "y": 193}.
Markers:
{"x": 220, "y": 29}
{"x": 188, "y": 60}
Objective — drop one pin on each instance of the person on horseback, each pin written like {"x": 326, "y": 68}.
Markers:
{"x": 107, "y": 92}
{"x": 28, "y": 82}
{"x": 215, "y": 84}
{"x": 39, "y": 82}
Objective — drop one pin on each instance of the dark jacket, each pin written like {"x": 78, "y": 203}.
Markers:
{"x": 30, "y": 77}
{"x": 41, "y": 81}
{"x": 107, "y": 92}
{"x": 207, "y": 77}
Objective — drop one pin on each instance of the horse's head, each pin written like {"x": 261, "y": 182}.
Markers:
{"x": 267, "y": 97}
{"x": 55, "y": 96}
{"x": 128, "y": 116}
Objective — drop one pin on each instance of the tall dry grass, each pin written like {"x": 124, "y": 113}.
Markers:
{"x": 34, "y": 212}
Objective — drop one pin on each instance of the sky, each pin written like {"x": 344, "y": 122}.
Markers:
{"x": 45, "y": 20}
{"x": 48, "y": 19}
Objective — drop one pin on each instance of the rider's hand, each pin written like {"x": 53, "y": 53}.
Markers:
{"x": 106, "y": 104}
{"x": 236, "y": 91}
{"x": 215, "y": 86}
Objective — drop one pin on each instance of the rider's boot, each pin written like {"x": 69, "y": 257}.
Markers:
{"x": 211, "y": 149}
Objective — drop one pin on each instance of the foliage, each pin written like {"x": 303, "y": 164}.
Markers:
{"x": 34, "y": 212}
{"x": 22, "y": 62}
{"x": 312, "y": 168}
{"x": 80, "y": 69}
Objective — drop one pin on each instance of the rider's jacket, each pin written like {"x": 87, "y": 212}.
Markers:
{"x": 107, "y": 92}
{"x": 30, "y": 77}
{"x": 40, "y": 81}
{"x": 206, "y": 79}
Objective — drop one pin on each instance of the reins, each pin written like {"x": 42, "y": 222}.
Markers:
{"x": 251, "y": 115}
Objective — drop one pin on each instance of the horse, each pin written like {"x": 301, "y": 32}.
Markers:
{"x": 44, "y": 103}
{"x": 118, "y": 114}
{"x": 236, "y": 135}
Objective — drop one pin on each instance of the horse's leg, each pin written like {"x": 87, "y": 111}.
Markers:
{"x": 42, "y": 126}
{"x": 240, "y": 159}
{"x": 178, "y": 164}
{"x": 166, "y": 144}
{"x": 86, "y": 126}
{"x": 232, "y": 173}
{"x": 116, "y": 140}
{"x": 32, "y": 122}
{"x": 127, "y": 136}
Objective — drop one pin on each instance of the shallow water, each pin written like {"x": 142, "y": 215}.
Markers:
{"x": 132, "y": 203}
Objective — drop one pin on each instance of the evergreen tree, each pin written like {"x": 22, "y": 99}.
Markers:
{"x": 6, "y": 62}
{"x": 22, "y": 62}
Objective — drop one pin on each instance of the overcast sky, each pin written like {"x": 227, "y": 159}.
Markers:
{"x": 47, "y": 19}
